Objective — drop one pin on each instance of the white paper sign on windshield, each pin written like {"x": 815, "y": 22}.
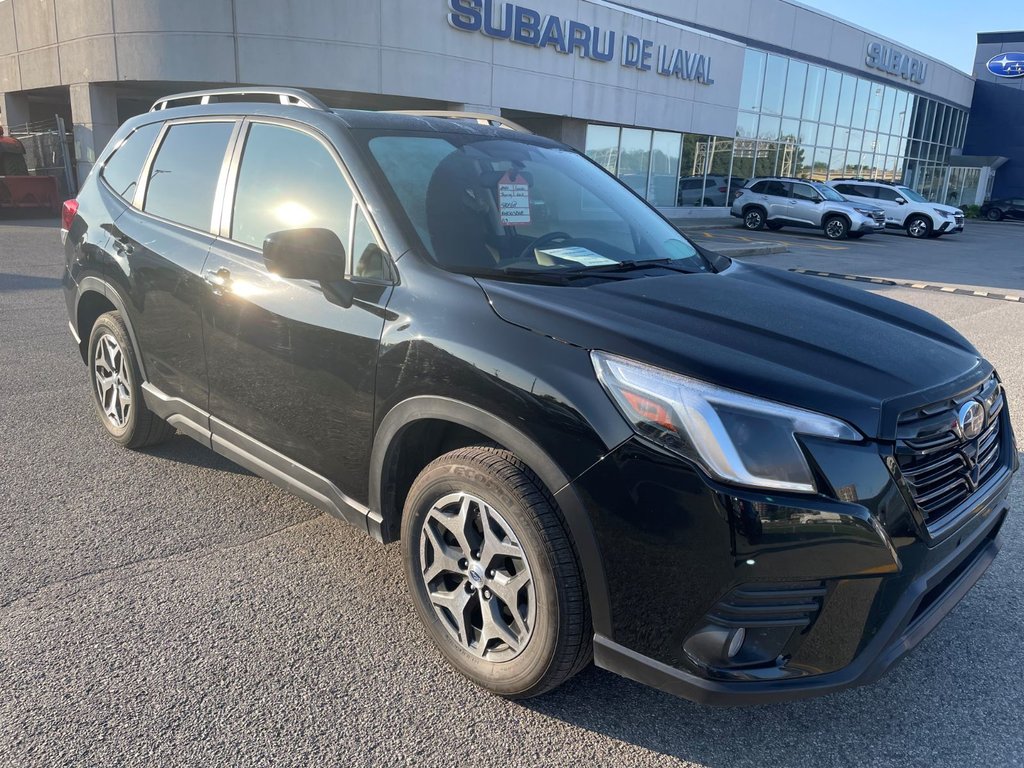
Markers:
{"x": 580, "y": 255}
{"x": 513, "y": 200}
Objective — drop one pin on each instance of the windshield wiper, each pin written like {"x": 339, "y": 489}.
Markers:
{"x": 628, "y": 266}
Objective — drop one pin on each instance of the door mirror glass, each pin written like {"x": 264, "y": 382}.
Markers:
{"x": 305, "y": 254}
{"x": 900, "y": 201}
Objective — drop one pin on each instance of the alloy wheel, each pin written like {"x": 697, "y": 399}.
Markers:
{"x": 113, "y": 384}
{"x": 918, "y": 227}
{"x": 477, "y": 577}
{"x": 835, "y": 229}
{"x": 753, "y": 220}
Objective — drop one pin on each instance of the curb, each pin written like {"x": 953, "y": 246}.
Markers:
{"x": 752, "y": 249}
{"x": 1016, "y": 298}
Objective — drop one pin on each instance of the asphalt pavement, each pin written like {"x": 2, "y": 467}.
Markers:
{"x": 167, "y": 608}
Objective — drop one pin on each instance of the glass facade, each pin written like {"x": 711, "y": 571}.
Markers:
{"x": 795, "y": 119}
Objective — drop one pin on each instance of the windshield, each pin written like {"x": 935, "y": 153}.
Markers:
{"x": 829, "y": 194}
{"x": 910, "y": 194}
{"x": 482, "y": 204}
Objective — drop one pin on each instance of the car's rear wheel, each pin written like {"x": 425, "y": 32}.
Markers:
{"x": 117, "y": 386}
{"x": 994, "y": 214}
{"x": 493, "y": 573}
{"x": 919, "y": 227}
{"x": 754, "y": 219}
{"x": 836, "y": 228}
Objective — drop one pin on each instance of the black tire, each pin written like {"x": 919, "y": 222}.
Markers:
{"x": 836, "y": 228}
{"x": 918, "y": 227}
{"x": 994, "y": 214}
{"x": 560, "y": 641}
{"x": 755, "y": 218}
{"x": 773, "y": 226}
{"x": 127, "y": 420}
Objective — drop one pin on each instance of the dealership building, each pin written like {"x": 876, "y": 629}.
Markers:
{"x": 683, "y": 101}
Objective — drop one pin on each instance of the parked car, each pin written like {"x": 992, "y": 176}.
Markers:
{"x": 706, "y": 191}
{"x": 780, "y": 202}
{"x": 997, "y": 210}
{"x": 904, "y": 207}
{"x": 587, "y": 435}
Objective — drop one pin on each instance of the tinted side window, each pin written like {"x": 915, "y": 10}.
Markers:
{"x": 776, "y": 188}
{"x": 122, "y": 169}
{"x": 759, "y": 187}
{"x": 886, "y": 193}
{"x": 183, "y": 178}
{"x": 846, "y": 189}
{"x": 805, "y": 192}
{"x": 288, "y": 180}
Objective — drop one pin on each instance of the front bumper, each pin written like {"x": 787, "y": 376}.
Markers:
{"x": 949, "y": 226}
{"x": 680, "y": 544}
{"x": 867, "y": 224}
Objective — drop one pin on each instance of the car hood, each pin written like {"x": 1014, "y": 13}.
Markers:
{"x": 796, "y": 339}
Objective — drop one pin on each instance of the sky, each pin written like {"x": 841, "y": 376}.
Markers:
{"x": 945, "y": 29}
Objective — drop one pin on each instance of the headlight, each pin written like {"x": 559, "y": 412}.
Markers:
{"x": 943, "y": 214}
{"x": 865, "y": 212}
{"x": 735, "y": 437}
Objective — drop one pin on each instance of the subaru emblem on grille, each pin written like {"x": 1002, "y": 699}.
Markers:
{"x": 970, "y": 419}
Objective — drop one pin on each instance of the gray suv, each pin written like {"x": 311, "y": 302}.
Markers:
{"x": 780, "y": 202}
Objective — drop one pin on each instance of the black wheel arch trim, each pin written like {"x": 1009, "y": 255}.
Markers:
{"x": 93, "y": 284}
{"x": 578, "y": 521}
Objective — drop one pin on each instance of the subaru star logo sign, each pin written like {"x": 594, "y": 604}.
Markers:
{"x": 970, "y": 419}
{"x": 1007, "y": 65}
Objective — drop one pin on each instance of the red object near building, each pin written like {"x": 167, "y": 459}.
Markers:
{"x": 17, "y": 188}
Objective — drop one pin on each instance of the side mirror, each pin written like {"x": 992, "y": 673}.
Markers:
{"x": 310, "y": 254}
{"x": 900, "y": 201}
{"x": 305, "y": 254}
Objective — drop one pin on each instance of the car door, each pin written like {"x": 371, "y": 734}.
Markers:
{"x": 888, "y": 200}
{"x": 291, "y": 369}
{"x": 159, "y": 246}
{"x": 776, "y": 199}
{"x": 805, "y": 204}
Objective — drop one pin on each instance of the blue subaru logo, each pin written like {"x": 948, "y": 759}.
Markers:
{"x": 1007, "y": 65}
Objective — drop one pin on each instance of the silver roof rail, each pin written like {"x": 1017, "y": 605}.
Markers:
{"x": 482, "y": 118}
{"x": 294, "y": 96}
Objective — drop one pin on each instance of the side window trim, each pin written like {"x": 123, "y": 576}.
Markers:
{"x": 143, "y": 186}
{"x": 227, "y": 193}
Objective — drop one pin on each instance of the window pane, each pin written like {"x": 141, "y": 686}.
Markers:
{"x": 888, "y": 103}
{"x": 183, "y": 179}
{"x": 846, "y": 100}
{"x": 900, "y": 112}
{"x": 796, "y": 80}
{"x": 603, "y": 146}
{"x": 805, "y": 192}
{"x": 664, "y": 168}
{"x": 368, "y": 260}
{"x": 790, "y": 129}
{"x": 808, "y": 132}
{"x": 122, "y": 170}
{"x": 908, "y": 114}
{"x": 746, "y": 125}
{"x": 635, "y": 158}
{"x": 825, "y": 135}
{"x": 813, "y": 93}
{"x": 753, "y": 80}
{"x": 774, "y": 85}
{"x": 288, "y": 180}
{"x": 768, "y": 127}
{"x": 819, "y": 166}
{"x": 788, "y": 158}
{"x": 860, "y": 104}
{"x": 830, "y": 96}
{"x": 874, "y": 107}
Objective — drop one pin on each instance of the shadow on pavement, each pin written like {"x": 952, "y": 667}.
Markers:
{"x": 185, "y": 450}
{"x": 13, "y": 282}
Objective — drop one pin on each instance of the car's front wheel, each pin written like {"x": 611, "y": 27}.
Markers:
{"x": 836, "y": 228}
{"x": 117, "y": 386}
{"x": 919, "y": 227}
{"x": 493, "y": 573}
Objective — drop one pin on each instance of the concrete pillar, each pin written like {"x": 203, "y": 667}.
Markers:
{"x": 94, "y": 114}
{"x": 13, "y": 109}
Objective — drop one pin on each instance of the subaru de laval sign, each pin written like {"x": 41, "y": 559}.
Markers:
{"x": 525, "y": 26}
{"x": 1007, "y": 65}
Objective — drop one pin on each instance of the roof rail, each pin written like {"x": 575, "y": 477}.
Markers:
{"x": 293, "y": 96}
{"x": 482, "y": 118}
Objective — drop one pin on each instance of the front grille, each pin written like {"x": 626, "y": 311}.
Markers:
{"x": 958, "y": 220}
{"x": 942, "y": 470}
{"x": 879, "y": 217}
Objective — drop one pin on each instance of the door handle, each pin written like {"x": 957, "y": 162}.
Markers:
{"x": 123, "y": 245}
{"x": 218, "y": 278}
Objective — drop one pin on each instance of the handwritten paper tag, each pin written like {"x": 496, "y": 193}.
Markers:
{"x": 513, "y": 199}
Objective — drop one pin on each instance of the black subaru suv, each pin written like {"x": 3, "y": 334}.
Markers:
{"x": 590, "y": 437}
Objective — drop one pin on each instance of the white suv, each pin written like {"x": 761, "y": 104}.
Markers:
{"x": 904, "y": 208}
